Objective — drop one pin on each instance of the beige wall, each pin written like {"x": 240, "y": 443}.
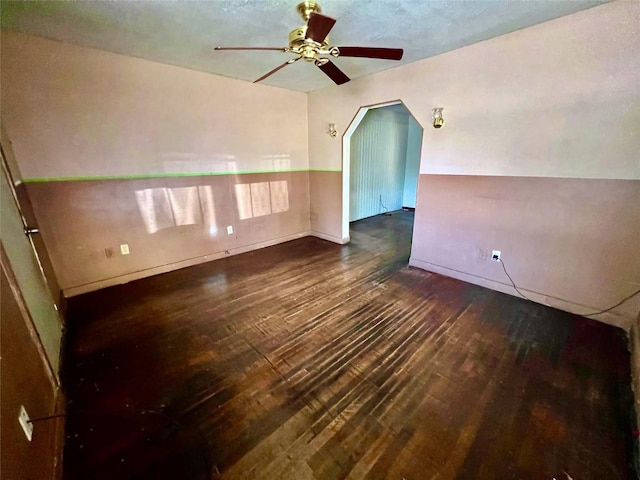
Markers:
{"x": 557, "y": 100}
{"x": 89, "y": 129}
{"x": 77, "y": 112}
{"x": 560, "y": 99}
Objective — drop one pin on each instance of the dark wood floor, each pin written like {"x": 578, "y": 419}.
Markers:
{"x": 311, "y": 360}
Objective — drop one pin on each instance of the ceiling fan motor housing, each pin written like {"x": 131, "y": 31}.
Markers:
{"x": 307, "y": 48}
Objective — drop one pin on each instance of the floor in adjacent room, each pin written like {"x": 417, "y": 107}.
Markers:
{"x": 312, "y": 360}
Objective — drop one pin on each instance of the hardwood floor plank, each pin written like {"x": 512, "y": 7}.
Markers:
{"x": 311, "y": 360}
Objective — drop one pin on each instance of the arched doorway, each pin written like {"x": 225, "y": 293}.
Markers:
{"x": 381, "y": 161}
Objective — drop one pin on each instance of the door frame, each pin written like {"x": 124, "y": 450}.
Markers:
{"x": 36, "y": 275}
{"x": 25, "y": 210}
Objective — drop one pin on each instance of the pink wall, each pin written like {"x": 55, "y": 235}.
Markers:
{"x": 325, "y": 189}
{"x": 112, "y": 126}
{"x": 167, "y": 223}
{"x": 569, "y": 243}
{"x": 539, "y": 153}
{"x": 557, "y": 100}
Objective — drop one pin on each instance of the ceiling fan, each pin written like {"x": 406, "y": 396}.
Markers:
{"x": 311, "y": 42}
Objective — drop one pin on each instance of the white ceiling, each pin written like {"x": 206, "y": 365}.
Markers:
{"x": 184, "y": 33}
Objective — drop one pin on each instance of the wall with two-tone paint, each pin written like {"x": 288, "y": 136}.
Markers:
{"x": 180, "y": 166}
{"x": 538, "y": 158}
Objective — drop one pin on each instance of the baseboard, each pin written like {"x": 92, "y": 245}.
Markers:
{"x": 561, "y": 304}
{"x": 169, "y": 267}
{"x": 330, "y": 238}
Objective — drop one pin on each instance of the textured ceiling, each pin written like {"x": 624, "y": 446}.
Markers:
{"x": 184, "y": 33}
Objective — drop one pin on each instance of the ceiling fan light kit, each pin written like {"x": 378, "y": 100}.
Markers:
{"x": 310, "y": 43}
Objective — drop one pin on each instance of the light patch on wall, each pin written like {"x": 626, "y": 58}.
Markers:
{"x": 243, "y": 199}
{"x": 279, "y": 196}
{"x": 183, "y": 162}
{"x": 261, "y": 198}
{"x": 208, "y": 210}
{"x": 163, "y": 208}
{"x": 276, "y": 163}
{"x": 260, "y": 201}
{"x": 220, "y": 163}
{"x": 155, "y": 209}
{"x": 184, "y": 205}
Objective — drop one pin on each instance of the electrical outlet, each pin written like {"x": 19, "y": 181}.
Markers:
{"x": 25, "y": 423}
{"x": 482, "y": 254}
{"x": 124, "y": 249}
{"x": 108, "y": 252}
{"x": 495, "y": 256}
{"x": 230, "y": 230}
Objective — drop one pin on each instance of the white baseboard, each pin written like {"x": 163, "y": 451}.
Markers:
{"x": 559, "y": 303}
{"x": 330, "y": 238}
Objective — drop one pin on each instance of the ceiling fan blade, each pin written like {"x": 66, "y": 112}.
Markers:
{"x": 333, "y": 72}
{"x": 319, "y": 26}
{"x": 372, "y": 52}
{"x": 279, "y": 67}
{"x": 279, "y": 49}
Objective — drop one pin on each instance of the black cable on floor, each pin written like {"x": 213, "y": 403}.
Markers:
{"x": 613, "y": 306}
{"x": 581, "y": 314}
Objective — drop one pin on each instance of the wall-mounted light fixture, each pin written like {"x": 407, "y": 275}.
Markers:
{"x": 331, "y": 130}
{"x": 438, "y": 120}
